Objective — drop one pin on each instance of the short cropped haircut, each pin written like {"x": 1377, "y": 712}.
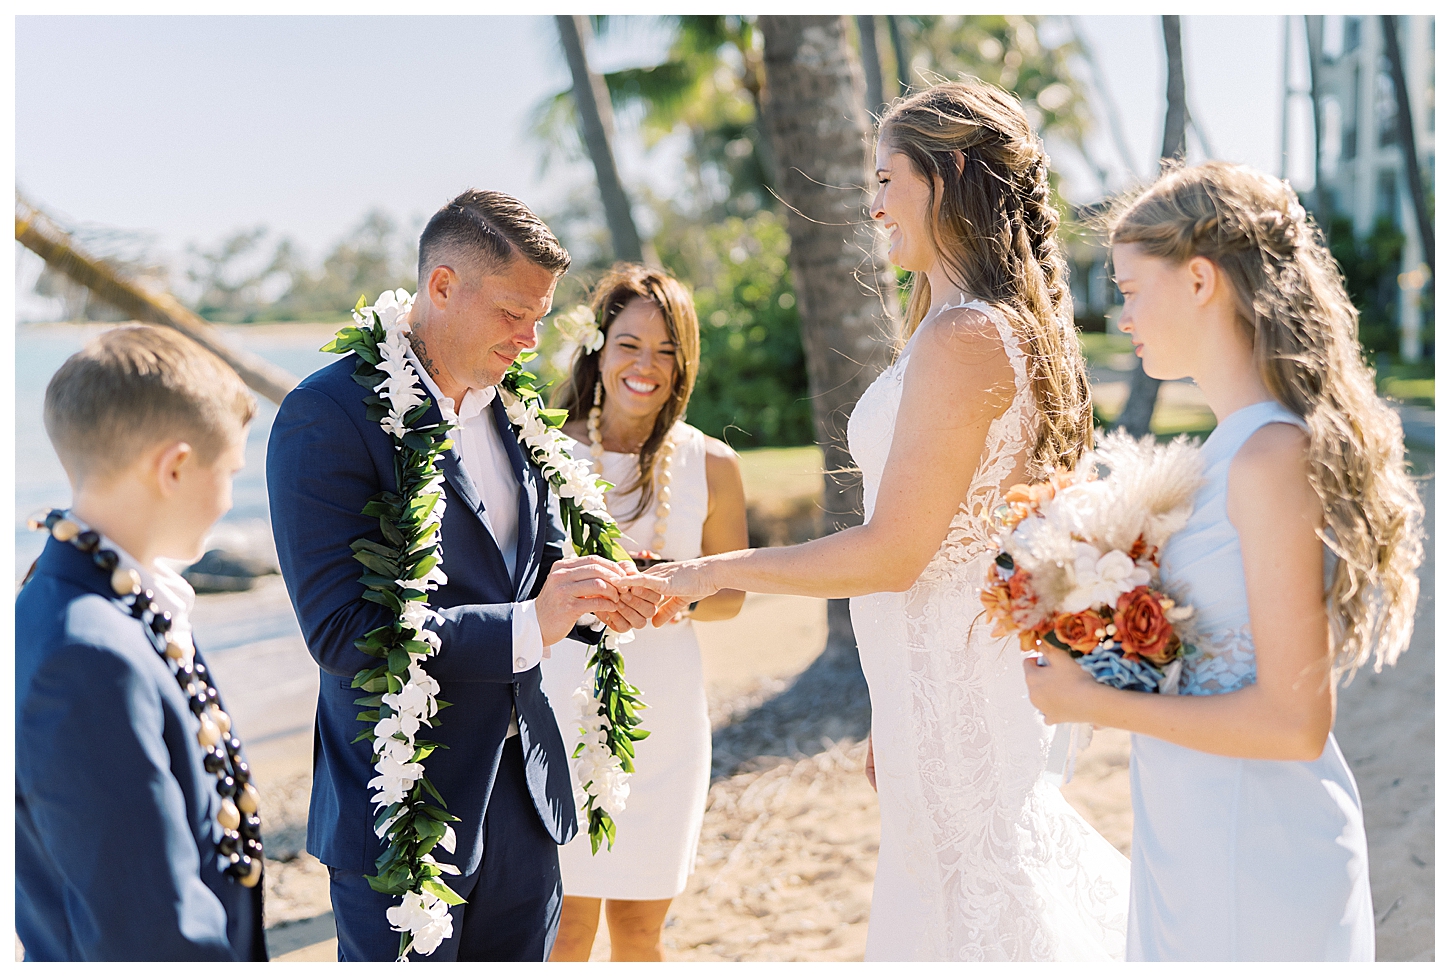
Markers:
{"x": 489, "y": 229}
{"x": 135, "y": 387}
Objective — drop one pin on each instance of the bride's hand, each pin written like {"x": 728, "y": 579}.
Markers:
{"x": 677, "y": 585}
{"x": 1060, "y": 689}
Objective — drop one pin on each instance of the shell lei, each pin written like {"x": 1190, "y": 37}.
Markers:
{"x": 608, "y": 705}
{"x": 402, "y": 699}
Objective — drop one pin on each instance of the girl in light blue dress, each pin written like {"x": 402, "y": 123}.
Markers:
{"x": 1299, "y": 560}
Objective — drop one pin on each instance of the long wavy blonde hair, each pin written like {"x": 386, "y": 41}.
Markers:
{"x": 1292, "y": 301}
{"x": 996, "y": 231}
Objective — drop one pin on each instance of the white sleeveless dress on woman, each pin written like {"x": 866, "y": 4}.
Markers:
{"x": 981, "y": 857}
{"x": 658, "y": 831}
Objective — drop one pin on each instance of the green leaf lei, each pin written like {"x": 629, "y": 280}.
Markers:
{"x": 609, "y": 705}
{"x": 398, "y": 574}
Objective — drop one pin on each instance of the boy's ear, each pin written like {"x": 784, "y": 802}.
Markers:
{"x": 169, "y": 460}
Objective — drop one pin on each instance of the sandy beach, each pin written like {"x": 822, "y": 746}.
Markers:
{"x": 788, "y": 849}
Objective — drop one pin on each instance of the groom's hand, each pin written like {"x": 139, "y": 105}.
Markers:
{"x": 575, "y": 587}
{"x": 632, "y": 609}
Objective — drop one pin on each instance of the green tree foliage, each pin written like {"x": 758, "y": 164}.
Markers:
{"x": 725, "y": 235}
{"x": 752, "y": 390}
{"x": 232, "y": 288}
{"x": 709, "y": 84}
{"x": 1019, "y": 53}
{"x": 1371, "y": 265}
{"x": 236, "y": 283}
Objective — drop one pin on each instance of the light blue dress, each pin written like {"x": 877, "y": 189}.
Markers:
{"x": 1240, "y": 859}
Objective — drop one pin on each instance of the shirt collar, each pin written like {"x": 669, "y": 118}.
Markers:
{"x": 169, "y": 588}
{"x": 474, "y": 401}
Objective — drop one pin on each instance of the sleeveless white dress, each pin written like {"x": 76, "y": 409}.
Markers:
{"x": 981, "y": 857}
{"x": 658, "y": 831}
{"x": 1240, "y": 859}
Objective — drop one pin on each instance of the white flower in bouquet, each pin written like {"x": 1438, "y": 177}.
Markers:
{"x": 1100, "y": 578}
{"x": 1097, "y": 511}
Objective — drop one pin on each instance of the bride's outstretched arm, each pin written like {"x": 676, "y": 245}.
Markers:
{"x": 1288, "y": 712}
{"x": 957, "y": 381}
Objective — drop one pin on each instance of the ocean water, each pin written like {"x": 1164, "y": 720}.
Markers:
{"x": 40, "y": 482}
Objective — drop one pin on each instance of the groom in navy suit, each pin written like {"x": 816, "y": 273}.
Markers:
{"x": 487, "y": 268}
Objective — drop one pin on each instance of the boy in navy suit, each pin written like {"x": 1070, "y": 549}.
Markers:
{"x": 137, "y": 831}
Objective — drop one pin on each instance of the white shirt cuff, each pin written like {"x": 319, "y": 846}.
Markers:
{"x": 528, "y": 641}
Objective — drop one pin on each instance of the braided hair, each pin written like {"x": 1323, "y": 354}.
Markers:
{"x": 1291, "y": 300}
{"x": 996, "y": 232}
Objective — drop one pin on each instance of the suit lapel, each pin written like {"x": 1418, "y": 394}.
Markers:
{"x": 528, "y": 491}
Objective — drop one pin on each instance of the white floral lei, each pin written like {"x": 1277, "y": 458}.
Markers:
{"x": 410, "y": 825}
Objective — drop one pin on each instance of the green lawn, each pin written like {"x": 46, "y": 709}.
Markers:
{"x": 1099, "y": 346}
{"x": 1413, "y": 383}
{"x": 773, "y": 474}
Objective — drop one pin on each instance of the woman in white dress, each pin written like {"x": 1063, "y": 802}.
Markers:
{"x": 981, "y": 858}
{"x": 1299, "y": 560}
{"x": 678, "y": 494}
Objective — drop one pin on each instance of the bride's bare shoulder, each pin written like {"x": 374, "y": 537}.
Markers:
{"x": 967, "y": 337}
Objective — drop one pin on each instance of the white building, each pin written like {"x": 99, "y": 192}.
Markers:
{"x": 1361, "y": 167}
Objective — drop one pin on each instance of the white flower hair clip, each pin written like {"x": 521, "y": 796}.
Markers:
{"x": 579, "y": 327}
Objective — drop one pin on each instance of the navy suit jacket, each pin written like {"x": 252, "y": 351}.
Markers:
{"x": 325, "y": 459}
{"x": 115, "y": 816}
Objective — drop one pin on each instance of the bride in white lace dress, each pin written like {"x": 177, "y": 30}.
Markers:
{"x": 981, "y": 858}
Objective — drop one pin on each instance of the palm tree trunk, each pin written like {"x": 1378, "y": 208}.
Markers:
{"x": 596, "y": 123}
{"x": 40, "y": 234}
{"x": 1314, "y": 41}
{"x": 1137, "y": 415}
{"x": 1175, "y": 138}
{"x": 814, "y": 113}
{"x": 898, "y": 47}
{"x": 1406, "y": 133}
{"x": 870, "y": 63}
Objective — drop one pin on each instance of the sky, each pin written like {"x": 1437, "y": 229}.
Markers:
{"x": 186, "y": 129}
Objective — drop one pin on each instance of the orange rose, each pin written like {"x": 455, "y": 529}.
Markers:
{"x": 1021, "y": 493}
{"x": 998, "y": 602}
{"x": 1019, "y": 586}
{"x": 1079, "y": 631}
{"x": 1142, "y": 627}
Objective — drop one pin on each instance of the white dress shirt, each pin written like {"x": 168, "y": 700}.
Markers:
{"x": 169, "y": 589}
{"x": 485, "y": 457}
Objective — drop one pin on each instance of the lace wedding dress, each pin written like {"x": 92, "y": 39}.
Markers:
{"x": 981, "y": 857}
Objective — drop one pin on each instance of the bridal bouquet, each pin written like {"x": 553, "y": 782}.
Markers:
{"x": 1077, "y": 564}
